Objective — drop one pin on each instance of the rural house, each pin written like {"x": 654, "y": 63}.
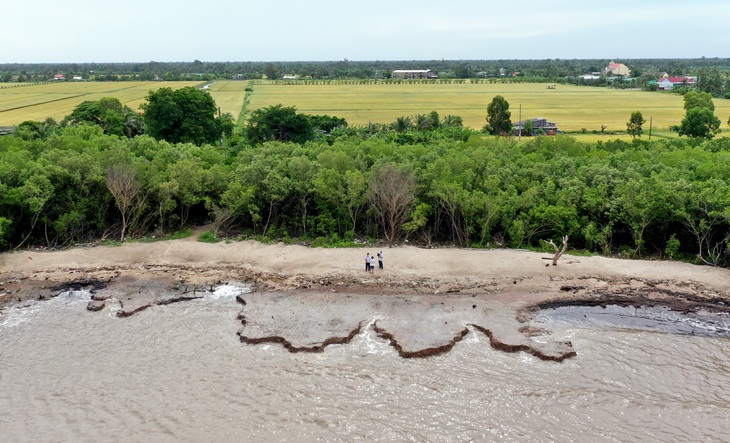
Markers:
{"x": 666, "y": 83}
{"x": 539, "y": 126}
{"x": 614, "y": 68}
{"x": 59, "y": 77}
{"x": 414, "y": 73}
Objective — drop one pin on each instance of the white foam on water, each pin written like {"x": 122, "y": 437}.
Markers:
{"x": 18, "y": 315}
{"x": 371, "y": 342}
{"x": 367, "y": 342}
{"x": 82, "y": 295}
{"x": 226, "y": 292}
{"x": 114, "y": 306}
{"x": 29, "y": 310}
{"x": 472, "y": 337}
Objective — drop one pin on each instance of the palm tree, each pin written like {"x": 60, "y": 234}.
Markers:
{"x": 402, "y": 124}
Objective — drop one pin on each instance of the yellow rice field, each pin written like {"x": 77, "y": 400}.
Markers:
{"x": 57, "y": 100}
{"x": 573, "y": 108}
{"x": 229, "y": 95}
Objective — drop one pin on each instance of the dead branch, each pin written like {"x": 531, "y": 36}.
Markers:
{"x": 558, "y": 251}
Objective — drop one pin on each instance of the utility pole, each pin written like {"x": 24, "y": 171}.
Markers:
{"x": 651, "y": 119}
{"x": 219, "y": 119}
{"x": 519, "y": 137}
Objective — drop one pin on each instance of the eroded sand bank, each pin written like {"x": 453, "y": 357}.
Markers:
{"x": 423, "y": 302}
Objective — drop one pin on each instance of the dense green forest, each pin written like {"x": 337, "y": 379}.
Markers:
{"x": 661, "y": 198}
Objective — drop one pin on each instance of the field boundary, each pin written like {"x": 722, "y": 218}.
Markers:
{"x": 244, "y": 106}
{"x": 45, "y": 102}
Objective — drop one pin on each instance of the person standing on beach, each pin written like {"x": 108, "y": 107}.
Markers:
{"x": 372, "y": 264}
{"x": 380, "y": 260}
{"x": 367, "y": 262}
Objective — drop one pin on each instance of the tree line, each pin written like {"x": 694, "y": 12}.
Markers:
{"x": 342, "y": 69}
{"x": 666, "y": 197}
{"x": 108, "y": 172}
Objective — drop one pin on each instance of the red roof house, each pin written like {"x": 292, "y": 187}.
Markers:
{"x": 667, "y": 83}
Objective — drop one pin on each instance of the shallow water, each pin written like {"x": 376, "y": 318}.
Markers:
{"x": 649, "y": 318}
{"x": 179, "y": 373}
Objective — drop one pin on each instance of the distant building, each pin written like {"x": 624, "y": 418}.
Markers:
{"x": 614, "y": 68}
{"x": 7, "y": 130}
{"x": 666, "y": 83}
{"x": 59, "y": 77}
{"x": 78, "y": 77}
{"x": 414, "y": 73}
{"x": 539, "y": 126}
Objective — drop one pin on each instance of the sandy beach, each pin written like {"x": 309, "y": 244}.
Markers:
{"x": 423, "y": 301}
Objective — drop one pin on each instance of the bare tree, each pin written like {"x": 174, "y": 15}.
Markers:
{"x": 558, "y": 251}
{"x": 391, "y": 195}
{"x": 121, "y": 180}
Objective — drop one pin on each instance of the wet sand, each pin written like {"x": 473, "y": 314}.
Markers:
{"x": 424, "y": 301}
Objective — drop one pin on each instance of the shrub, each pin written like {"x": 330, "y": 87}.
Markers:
{"x": 672, "y": 247}
{"x": 208, "y": 237}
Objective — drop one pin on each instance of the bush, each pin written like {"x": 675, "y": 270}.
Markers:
{"x": 208, "y": 237}
{"x": 672, "y": 247}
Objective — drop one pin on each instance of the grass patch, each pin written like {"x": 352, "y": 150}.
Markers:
{"x": 209, "y": 237}
{"x": 183, "y": 233}
{"x": 329, "y": 242}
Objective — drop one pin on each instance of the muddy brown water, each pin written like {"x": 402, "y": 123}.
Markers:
{"x": 179, "y": 373}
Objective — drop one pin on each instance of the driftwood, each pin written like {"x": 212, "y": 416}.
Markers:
{"x": 558, "y": 251}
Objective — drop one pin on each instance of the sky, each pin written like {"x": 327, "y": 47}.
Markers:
{"x": 83, "y": 31}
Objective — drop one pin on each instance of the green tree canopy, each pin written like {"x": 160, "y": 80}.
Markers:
{"x": 186, "y": 115}
{"x": 699, "y": 123}
{"x": 271, "y": 72}
{"x": 109, "y": 113}
{"x": 326, "y": 123}
{"x": 633, "y": 127}
{"x": 711, "y": 81}
{"x": 694, "y": 99}
{"x": 498, "y": 117}
{"x": 279, "y": 123}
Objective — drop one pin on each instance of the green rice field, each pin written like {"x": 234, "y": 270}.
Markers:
{"x": 573, "y": 108}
